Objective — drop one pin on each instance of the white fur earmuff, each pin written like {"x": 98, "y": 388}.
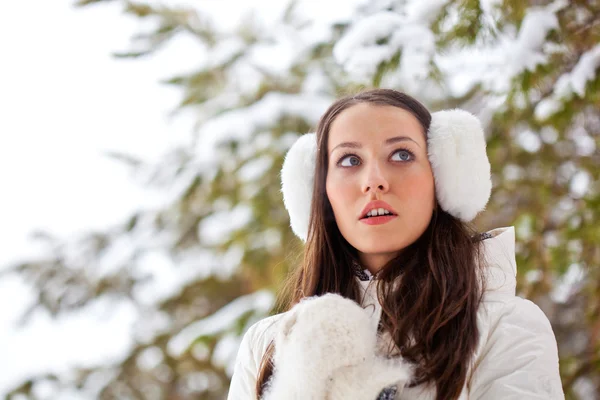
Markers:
{"x": 297, "y": 176}
{"x": 457, "y": 154}
{"x": 461, "y": 169}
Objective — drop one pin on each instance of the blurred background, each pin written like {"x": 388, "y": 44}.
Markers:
{"x": 142, "y": 228}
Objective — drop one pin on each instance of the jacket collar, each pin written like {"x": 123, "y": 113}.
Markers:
{"x": 499, "y": 254}
{"x": 501, "y": 267}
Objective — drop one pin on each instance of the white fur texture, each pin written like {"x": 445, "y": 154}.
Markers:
{"x": 325, "y": 350}
{"x": 461, "y": 169}
{"x": 297, "y": 176}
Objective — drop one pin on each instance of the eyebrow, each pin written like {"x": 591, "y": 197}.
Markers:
{"x": 356, "y": 145}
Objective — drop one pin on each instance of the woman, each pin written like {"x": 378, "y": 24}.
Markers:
{"x": 383, "y": 196}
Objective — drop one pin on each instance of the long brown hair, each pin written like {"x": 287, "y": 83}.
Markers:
{"x": 429, "y": 294}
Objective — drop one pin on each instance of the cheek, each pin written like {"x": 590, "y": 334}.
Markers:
{"x": 339, "y": 189}
{"x": 420, "y": 190}
{"x": 333, "y": 192}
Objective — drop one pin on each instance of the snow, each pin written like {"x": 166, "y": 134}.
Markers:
{"x": 586, "y": 146}
{"x": 534, "y": 275}
{"x": 328, "y": 13}
{"x": 573, "y": 82}
{"x": 549, "y": 134}
{"x": 97, "y": 334}
{"x": 524, "y": 227}
{"x": 317, "y": 82}
{"x": 228, "y": 262}
{"x": 269, "y": 239}
{"x": 584, "y": 71}
{"x": 221, "y": 321}
{"x": 150, "y": 324}
{"x": 255, "y": 169}
{"x": 418, "y": 46}
{"x": 547, "y": 108}
{"x": 225, "y": 352}
{"x": 491, "y": 9}
{"x": 580, "y": 184}
{"x": 227, "y": 15}
{"x": 495, "y": 64}
{"x": 512, "y": 172}
{"x": 165, "y": 278}
{"x": 424, "y": 11}
{"x": 525, "y": 51}
{"x": 375, "y": 39}
{"x": 112, "y": 258}
{"x": 277, "y": 56}
{"x": 16, "y": 292}
{"x": 240, "y": 124}
{"x": 563, "y": 210}
{"x": 150, "y": 358}
{"x": 358, "y": 52}
{"x": 529, "y": 140}
{"x": 218, "y": 226}
{"x": 225, "y": 51}
{"x": 567, "y": 283}
{"x": 551, "y": 239}
{"x": 585, "y": 388}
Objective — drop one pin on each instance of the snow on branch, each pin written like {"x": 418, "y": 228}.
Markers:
{"x": 570, "y": 83}
{"x": 221, "y": 321}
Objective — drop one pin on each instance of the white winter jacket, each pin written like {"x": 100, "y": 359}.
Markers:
{"x": 516, "y": 358}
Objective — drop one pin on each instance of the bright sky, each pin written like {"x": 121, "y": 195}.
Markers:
{"x": 65, "y": 100}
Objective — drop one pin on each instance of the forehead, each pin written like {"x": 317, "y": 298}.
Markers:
{"x": 371, "y": 122}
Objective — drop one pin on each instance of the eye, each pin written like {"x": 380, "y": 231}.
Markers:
{"x": 403, "y": 155}
{"x": 348, "y": 160}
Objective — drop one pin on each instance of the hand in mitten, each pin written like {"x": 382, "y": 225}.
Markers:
{"x": 316, "y": 338}
{"x": 367, "y": 380}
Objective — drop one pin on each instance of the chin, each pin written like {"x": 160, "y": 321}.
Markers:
{"x": 378, "y": 248}
{"x": 378, "y": 245}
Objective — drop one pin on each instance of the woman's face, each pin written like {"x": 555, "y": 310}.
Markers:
{"x": 379, "y": 152}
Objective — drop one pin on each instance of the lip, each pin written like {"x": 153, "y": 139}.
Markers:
{"x": 378, "y": 220}
{"x": 376, "y": 204}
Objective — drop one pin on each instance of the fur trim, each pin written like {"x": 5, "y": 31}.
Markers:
{"x": 324, "y": 349}
{"x": 297, "y": 176}
{"x": 367, "y": 380}
{"x": 461, "y": 169}
{"x": 457, "y": 154}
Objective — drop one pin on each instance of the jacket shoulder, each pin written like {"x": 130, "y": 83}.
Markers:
{"x": 517, "y": 355}
{"x": 251, "y": 351}
{"x": 261, "y": 333}
{"x": 256, "y": 340}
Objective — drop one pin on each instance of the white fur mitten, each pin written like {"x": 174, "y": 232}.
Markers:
{"x": 368, "y": 379}
{"x": 325, "y": 350}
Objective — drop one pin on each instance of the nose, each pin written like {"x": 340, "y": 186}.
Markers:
{"x": 375, "y": 180}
